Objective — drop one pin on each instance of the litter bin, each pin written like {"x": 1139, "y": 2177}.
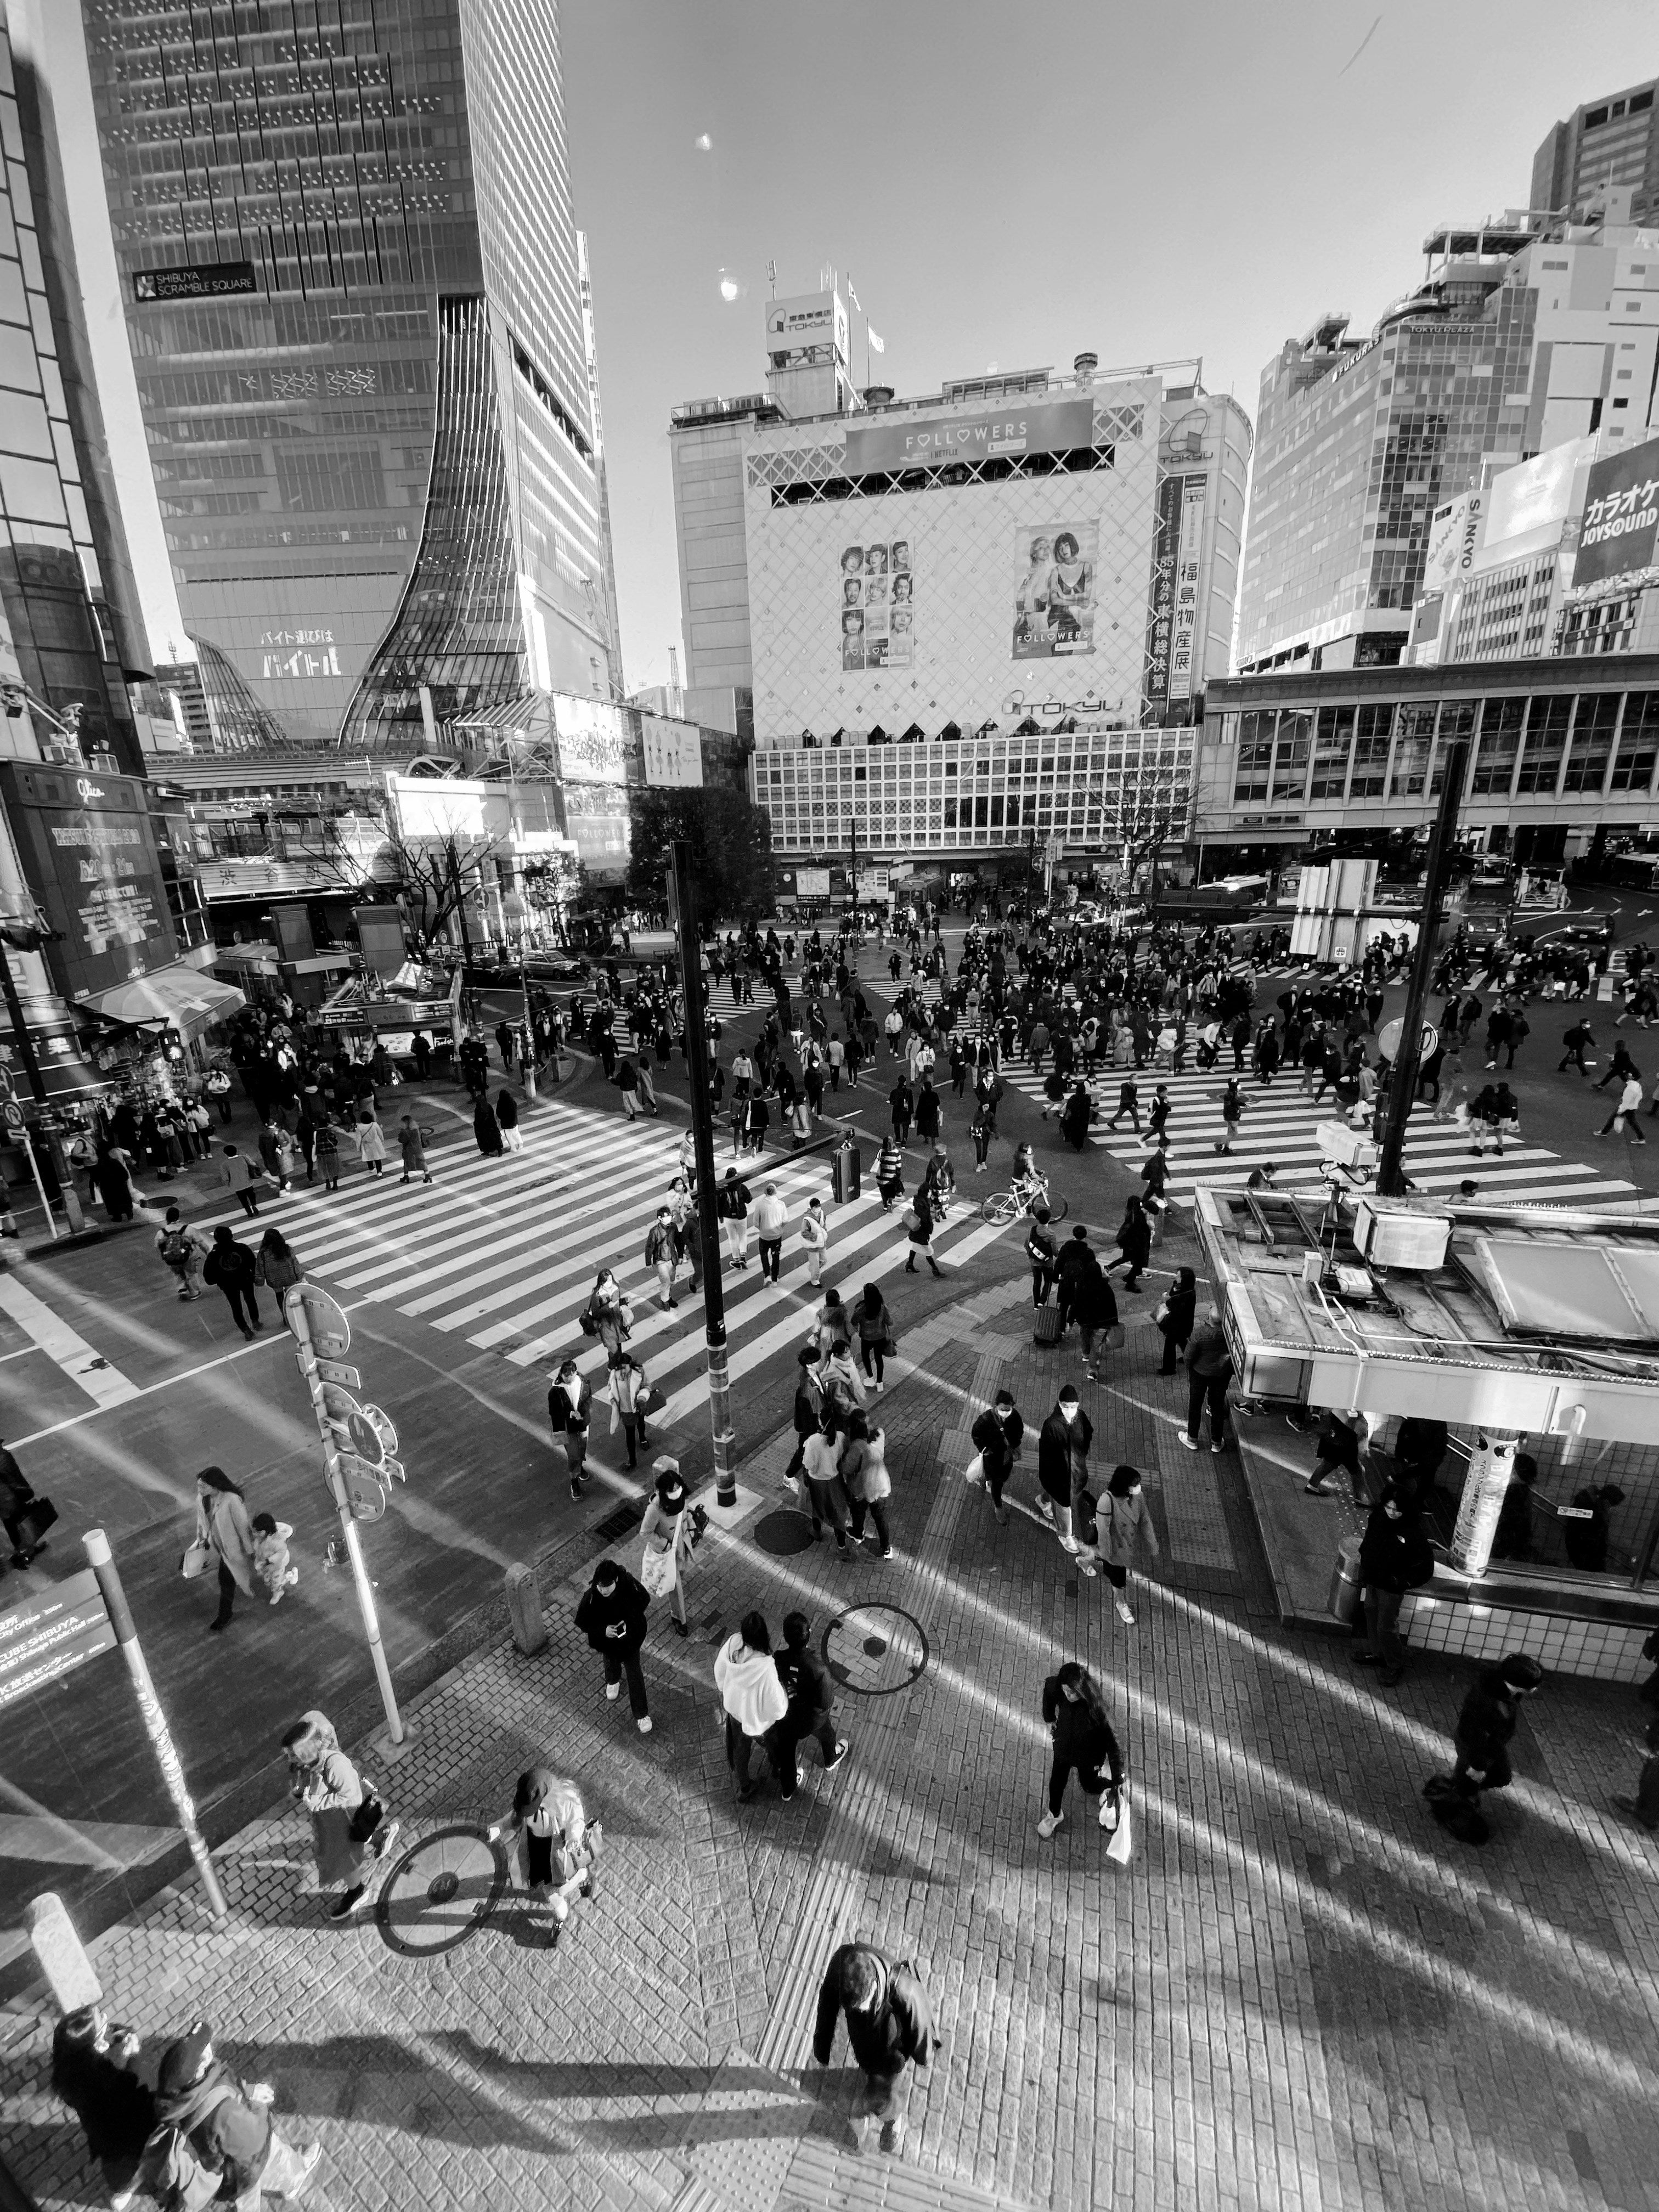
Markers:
{"x": 1344, "y": 1600}
{"x": 845, "y": 1170}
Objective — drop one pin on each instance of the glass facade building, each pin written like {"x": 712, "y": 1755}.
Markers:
{"x": 306, "y": 209}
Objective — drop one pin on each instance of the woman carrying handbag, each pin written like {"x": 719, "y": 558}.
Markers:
{"x": 1083, "y": 1743}
{"x": 868, "y": 1484}
{"x": 224, "y": 1538}
{"x": 349, "y": 1830}
{"x": 669, "y": 1530}
{"x": 557, "y": 1847}
{"x": 1121, "y": 1523}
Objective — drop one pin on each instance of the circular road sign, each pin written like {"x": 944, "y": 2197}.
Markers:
{"x": 364, "y": 1437}
{"x": 1387, "y": 1042}
{"x": 331, "y": 1332}
{"x": 13, "y": 1114}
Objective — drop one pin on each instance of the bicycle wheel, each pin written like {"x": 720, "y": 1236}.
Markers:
{"x": 1001, "y": 1210}
{"x": 1058, "y": 1208}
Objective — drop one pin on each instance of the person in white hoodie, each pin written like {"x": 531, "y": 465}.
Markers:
{"x": 815, "y": 1236}
{"x": 746, "y": 1676}
{"x": 771, "y": 1218}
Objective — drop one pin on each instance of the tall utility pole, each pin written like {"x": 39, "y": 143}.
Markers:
{"x": 1402, "y": 1087}
{"x": 702, "y": 1135}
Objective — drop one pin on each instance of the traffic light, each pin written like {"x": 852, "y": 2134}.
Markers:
{"x": 172, "y": 1044}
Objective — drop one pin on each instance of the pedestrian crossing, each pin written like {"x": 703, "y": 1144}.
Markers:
{"x": 1279, "y": 1125}
{"x": 503, "y": 1253}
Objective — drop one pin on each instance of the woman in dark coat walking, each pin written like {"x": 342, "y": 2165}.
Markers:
{"x": 1393, "y": 1557}
{"x": 1084, "y": 1744}
{"x": 1074, "y": 1119}
{"x": 231, "y": 1265}
{"x": 487, "y": 1130}
{"x": 1175, "y": 1317}
{"x": 1134, "y": 1243}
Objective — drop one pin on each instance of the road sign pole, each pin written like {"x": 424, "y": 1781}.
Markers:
{"x": 1402, "y": 1087}
{"x": 155, "y": 1721}
{"x": 300, "y": 1321}
{"x": 702, "y": 1135}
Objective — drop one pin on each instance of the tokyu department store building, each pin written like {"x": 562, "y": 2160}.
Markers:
{"x": 971, "y": 623}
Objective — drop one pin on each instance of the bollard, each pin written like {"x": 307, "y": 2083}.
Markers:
{"x": 1344, "y": 1600}
{"x": 59, "y": 1956}
{"x": 524, "y": 1604}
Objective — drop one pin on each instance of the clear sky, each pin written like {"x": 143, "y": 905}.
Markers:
{"x": 1016, "y": 183}
{"x": 1007, "y": 183}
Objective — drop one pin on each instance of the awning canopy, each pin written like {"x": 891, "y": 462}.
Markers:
{"x": 177, "y": 994}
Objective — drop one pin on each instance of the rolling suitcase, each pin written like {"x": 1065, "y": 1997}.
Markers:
{"x": 1047, "y": 1328}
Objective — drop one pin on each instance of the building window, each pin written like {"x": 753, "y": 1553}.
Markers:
{"x": 1639, "y": 743}
{"x": 1333, "y": 742}
{"x": 1500, "y": 744}
{"x": 1371, "y": 752}
{"x": 1592, "y": 741}
{"x": 1547, "y": 741}
{"x": 1413, "y": 738}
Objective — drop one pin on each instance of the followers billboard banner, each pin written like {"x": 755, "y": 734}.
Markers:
{"x": 1618, "y": 535}
{"x": 1055, "y": 596}
{"x": 924, "y": 441}
{"x": 876, "y": 606}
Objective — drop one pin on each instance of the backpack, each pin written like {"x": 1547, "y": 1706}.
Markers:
{"x": 179, "y": 2179}
{"x": 175, "y": 1249}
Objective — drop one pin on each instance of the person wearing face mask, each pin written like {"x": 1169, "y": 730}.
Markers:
{"x": 1485, "y": 1725}
{"x": 1121, "y": 1524}
{"x": 1063, "y": 1464}
{"x": 1393, "y": 1557}
{"x": 1084, "y": 1742}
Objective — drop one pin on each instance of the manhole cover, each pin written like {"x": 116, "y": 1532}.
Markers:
{"x": 784, "y": 1532}
{"x": 875, "y": 1650}
{"x": 440, "y": 1892}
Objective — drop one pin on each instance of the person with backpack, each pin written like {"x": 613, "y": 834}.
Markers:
{"x": 350, "y": 1831}
{"x": 184, "y": 1252}
{"x": 806, "y": 1684}
{"x": 612, "y": 1615}
{"x": 569, "y": 1398}
{"x": 889, "y": 2028}
{"x": 214, "y": 2137}
{"x": 1085, "y": 1745}
{"x": 558, "y": 1847}
{"x": 95, "y": 2072}
{"x": 731, "y": 1203}
{"x": 231, "y": 1265}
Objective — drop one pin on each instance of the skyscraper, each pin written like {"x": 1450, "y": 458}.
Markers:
{"x": 1611, "y": 141}
{"x": 354, "y": 301}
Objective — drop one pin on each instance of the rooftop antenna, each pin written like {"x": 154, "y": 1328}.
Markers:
{"x": 772, "y": 278}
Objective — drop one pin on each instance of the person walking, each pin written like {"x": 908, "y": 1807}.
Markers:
{"x": 660, "y": 1255}
{"x": 1209, "y": 1370}
{"x": 607, "y": 1316}
{"x": 506, "y": 1120}
{"x": 1095, "y": 1309}
{"x": 350, "y": 1831}
{"x": 669, "y": 1530}
{"x": 1393, "y": 1557}
{"x": 1575, "y": 1041}
{"x": 890, "y": 2029}
{"x": 1336, "y": 1446}
{"x": 1134, "y": 1242}
{"x": 1122, "y": 1523}
{"x": 209, "y": 2124}
{"x": 411, "y": 1147}
{"x": 868, "y": 1484}
{"x": 237, "y": 1172}
{"x": 370, "y": 1140}
{"x": 877, "y": 1338}
{"x": 826, "y": 1494}
{"x": 277, "y": 1268}
{"x": 611, "y": 1615}
{"x": 184, "y": 1252}
{"x": 1622, "y": 1121}
{"x": 815, "y": 1239}
{"x": 231, "y": 1267}
{"x": 901, "y": 1104}
{"x": 1063, "y": 1444}
{"x": 771, "y": 1218}
{"x": 997, "y": 1436}
{"x": 1084, "y": 1744}
{"x": 1643, "y": 1807}
{"x": 627, "y": 1384}
{"x": 1486, "y": 1727}
{"x": 327, "y": 1153}
{"x": 806, "y": 1684}
{"x": 920, "y": 1222}
{"x": 95, "y": 2071}
{"x": 558, "y": 1846}
{"x": 732, "y": 1202}
{"x": 890, "y": 1173}
{"x": 1233, "y": 1113}
{"x": 1173, "y": 1317}
{"x": 753, "y": 1699}
{"x": 569, "y": 1401}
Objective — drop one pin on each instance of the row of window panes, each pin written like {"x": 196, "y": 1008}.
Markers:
{"x": 1397, "y": 752}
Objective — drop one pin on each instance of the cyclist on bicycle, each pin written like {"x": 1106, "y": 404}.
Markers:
{"x": 1031, "y": 1185}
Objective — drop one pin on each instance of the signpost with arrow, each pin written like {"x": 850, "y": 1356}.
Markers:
{"x": 359, "y": 1444}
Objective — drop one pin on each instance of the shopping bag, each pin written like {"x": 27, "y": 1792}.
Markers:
{"x": 975, "y": 1470}
{"x": 1115, "y": 1336}
{"x": 657, "y": 1569}
{"x": 29, "y": 1530}
{"x": 1119, "y": 1848}
{"x": 198, "y": 1557}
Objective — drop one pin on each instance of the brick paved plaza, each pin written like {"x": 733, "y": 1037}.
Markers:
{"x": 1299, "y": 1993}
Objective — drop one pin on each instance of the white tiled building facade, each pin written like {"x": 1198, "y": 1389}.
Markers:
{"x": 971, "y": 620}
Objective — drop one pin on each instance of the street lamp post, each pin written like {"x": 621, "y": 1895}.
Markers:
{"x": 702, "y": 1138}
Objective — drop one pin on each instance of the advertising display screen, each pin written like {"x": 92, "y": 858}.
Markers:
{"x": 922, "y": 441}
{"x": 87, "y": 847}
{"x": 876, "y": 606}
{"x": 1621, "y": 516}
{"x": 1054, "y": 594}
